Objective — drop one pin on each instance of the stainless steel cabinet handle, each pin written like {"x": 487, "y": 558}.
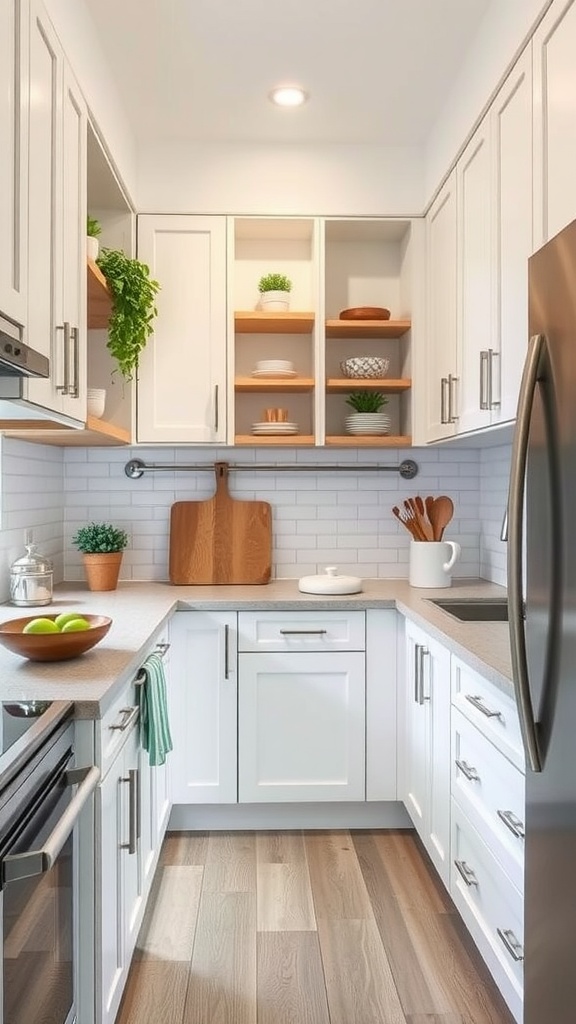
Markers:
{"x": 38, "y": 862}
{"x": 132, "y": 780}
{"x": 162, "y": 648}
{"x": 511, "y": 943}
{"x": 452, "y": 381}
{"x": 476, "y": 702}
{"x": 74, "y": 387}
{"x": 226, "y": 654}
{"x": 484, "y": 379}
{"x": 129, "y": 715}
{"x": 216, "y": 408}
{"x": 417, "y": 673}
{"x": 467, "y": 770}
{"x": 443, "y": 404}
{"x": 422, "y": 653}
{"x": 138, "y": 803}
{"x": 512, "y": 822}
{"x": 64, "y": 387}
{"x": 492, "y": 404}
{"x": 303, "y": 632}
{"x": 466, "y": 872}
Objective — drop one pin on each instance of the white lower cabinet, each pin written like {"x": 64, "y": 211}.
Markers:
{"x": 203, "y": 707}
{"x": 425, "y": 764}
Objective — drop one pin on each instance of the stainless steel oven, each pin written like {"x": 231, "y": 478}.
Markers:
{"x": 42, "y": 793}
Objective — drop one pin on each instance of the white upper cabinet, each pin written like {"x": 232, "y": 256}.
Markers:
{"x": 441, "y": 338}
{"x": 14, "y": 161}
{"x": 475, "y": 319}
{"x": 57, "y": 223}
{"x": 181, "y": 389}
{"x": 554, "y": 47}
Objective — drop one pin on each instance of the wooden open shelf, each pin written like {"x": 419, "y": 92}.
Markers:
{"x": 96, "y": 434}
{"x": 368, "y": 441}
{"x": 99, "y": 299}
{"x": 256, "y": 322}
{"x": 285, "y": 440}
{"x": 362, "y": 329}
{"x": 288, "y": 384}
{"x": 346, "y": 384}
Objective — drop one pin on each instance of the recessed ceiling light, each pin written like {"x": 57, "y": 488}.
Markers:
{"x": 288, "y": 96}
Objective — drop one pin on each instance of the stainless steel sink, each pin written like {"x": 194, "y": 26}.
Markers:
{"x": 473, "y": 609}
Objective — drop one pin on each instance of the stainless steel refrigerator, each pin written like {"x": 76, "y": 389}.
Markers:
{"x": 542, "y": 610}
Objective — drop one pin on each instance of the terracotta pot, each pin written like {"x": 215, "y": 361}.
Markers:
{"x": 102, "y": 570}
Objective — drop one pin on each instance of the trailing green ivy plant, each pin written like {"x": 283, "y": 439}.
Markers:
{"x": 133, "y": 307}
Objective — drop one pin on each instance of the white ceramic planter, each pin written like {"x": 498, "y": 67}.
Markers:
{"x": 368, "y": 423}
{"x": 92, "y": 247}
{"x": 275, "y": 301}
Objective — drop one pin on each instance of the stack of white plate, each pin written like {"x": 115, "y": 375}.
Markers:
{"x": 274, "y": 368}
{"x": 274, "y": 428}
{"x": 368, "y": 423}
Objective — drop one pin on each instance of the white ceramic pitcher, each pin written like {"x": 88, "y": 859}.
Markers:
{"x": 431, "y": 562}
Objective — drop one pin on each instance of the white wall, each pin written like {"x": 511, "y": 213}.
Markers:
{"x": 32, "y": 496}
{"x": 329, "y": 180}
{"x": 80, "y": 43}
{"x": 494, "y": 474}
{"x": 504, "y": 29}
{"x": 319, "y": 519}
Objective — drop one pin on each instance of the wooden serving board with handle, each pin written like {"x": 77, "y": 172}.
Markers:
{"x": 220, "y": 540}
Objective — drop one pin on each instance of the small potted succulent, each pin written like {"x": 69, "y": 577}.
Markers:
{"x": 102, "y": 546}
{"x": 275, "y": 292}
{"x": 93, "y": 230}
{"x": 367, "y": 417}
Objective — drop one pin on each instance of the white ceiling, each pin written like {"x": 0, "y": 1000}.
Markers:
{"x": 378, "y": 71}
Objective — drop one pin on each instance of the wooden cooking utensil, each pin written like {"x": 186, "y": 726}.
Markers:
{"x": 442, "y": 512}
{"x": 413, "y": 515}
{"x": 402, "y": 517}
{"x": 429, "y": 504}
{"x": 424, "y": 521}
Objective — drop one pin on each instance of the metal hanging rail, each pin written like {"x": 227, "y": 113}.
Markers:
{"x": 135, "y": 468}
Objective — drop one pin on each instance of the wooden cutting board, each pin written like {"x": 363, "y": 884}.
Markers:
{"x": 220, "y": 540}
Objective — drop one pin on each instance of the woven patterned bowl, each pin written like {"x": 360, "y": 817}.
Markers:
{"x": 365, "y": 366}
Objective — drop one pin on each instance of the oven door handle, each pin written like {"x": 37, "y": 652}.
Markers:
{"x": 36, "y": 862}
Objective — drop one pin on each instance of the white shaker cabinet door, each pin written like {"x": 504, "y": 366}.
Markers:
{"x": 203, "y": 705}
{"x": 441, "y": 301}
{"x": 181, "y": 390}
{"x": 301, "y": 723}
{"x": 14, "y": 160}
{"x": 554, "y": 46}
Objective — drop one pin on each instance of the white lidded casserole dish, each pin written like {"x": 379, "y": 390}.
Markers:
{"x": 330, "y": 583}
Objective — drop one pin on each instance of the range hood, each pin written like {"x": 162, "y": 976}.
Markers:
{"x": 16, "y": 358}
{"x": 18, "y": 362}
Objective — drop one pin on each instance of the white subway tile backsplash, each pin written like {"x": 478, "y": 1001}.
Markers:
{"x": 494, "y": 474}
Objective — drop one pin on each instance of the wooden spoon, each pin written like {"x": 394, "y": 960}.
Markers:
{"x": 442, "y": 512}
{"x": 429, "y": 504}
{"x": 424, "y": 521}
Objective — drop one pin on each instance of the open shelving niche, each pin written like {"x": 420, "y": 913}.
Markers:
{"x": 367, "y": 262}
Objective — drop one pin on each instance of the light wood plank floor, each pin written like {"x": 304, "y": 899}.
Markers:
{"x": 304, "y": 928}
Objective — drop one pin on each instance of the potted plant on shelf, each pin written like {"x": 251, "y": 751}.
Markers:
{"x": 367, "y": 417}
{"x": 275, "y": 292}
{"x": 102, "y": 546}
{"x": 133, "y": 307}
{"x": 93, "y": 229}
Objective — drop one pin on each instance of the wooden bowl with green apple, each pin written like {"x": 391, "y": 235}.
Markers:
{"x": 54, "y": 637}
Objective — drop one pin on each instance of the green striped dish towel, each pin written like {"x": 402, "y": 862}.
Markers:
{"x": 154, "y": 725}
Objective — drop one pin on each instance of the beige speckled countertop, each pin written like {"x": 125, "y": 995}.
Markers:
{"x": 141, "y": 610}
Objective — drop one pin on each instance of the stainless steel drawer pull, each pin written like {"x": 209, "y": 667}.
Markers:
{"x": 162, "y": 648}
{"x": 511, "y": 943}
{"x": 476, "y": 702}
{"x": 303, "y": 632}
{"x": 133, "y": 815}
{"x": 512, "y": 822}
{"x": 129, "y": 715}
{"x": 466, "y": 872}
{"x": 467, "y": 770}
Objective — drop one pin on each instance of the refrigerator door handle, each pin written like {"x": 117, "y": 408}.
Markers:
{"x": 515, "y": 544}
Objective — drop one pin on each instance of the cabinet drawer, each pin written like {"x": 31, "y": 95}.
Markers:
{"x": 491, "y": 711}
{"x": 301, "y": 631}
{"x": 491, "y": 907}
{"x": 490, "y": 790}
{"x": 113, "y": 729}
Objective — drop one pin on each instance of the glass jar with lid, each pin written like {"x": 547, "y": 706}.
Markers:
{"x": 31, "y": 578}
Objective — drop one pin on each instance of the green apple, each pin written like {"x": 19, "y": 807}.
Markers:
{"x": 65, "y": 617}
{"x": 41, "y": 626}
{"x": 75, "y": 625}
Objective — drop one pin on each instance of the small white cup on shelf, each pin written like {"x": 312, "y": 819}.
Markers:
{"x": 96, "y": 402}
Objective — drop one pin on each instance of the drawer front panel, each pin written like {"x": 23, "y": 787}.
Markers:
{"x": 115, "y": 726}
{"x": 490, "y": 906}
{"x": 490, "y": 790}
{"x": 301, "y": 631}
{"x": 491, "y": 711}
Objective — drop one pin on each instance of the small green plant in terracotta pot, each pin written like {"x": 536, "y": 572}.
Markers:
{"x": 275, "y": 292}
{"x": 102, "y": 546}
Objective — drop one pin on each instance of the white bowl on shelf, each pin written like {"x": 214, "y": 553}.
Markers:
{"x": 269, "y": 365}
{"x": 368, "y": 423}
{"x": 96, "y": 402}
